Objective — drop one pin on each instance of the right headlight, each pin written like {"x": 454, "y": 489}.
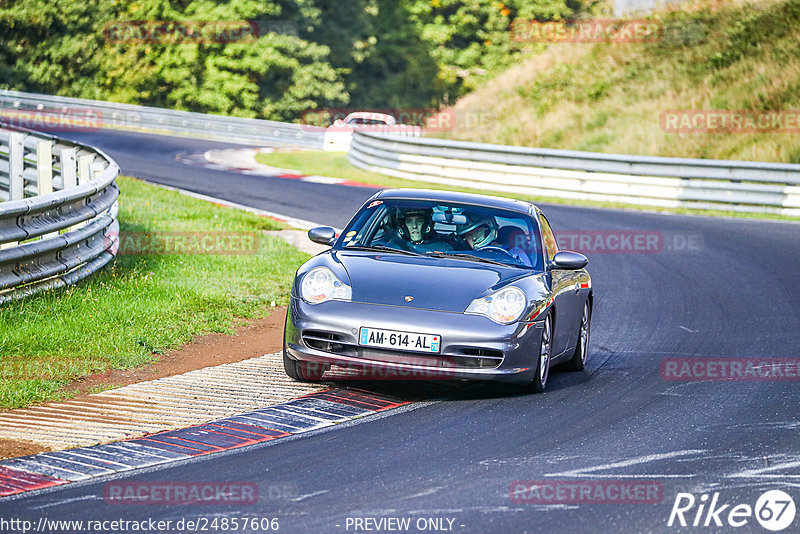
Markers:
{"x": 320, "y": 284}
{"x": 505, "y": 306}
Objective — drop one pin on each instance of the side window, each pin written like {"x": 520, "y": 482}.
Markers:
{"x": 382, "y": 231}
{"x": 548, "y": 238}
{"x": 366, "y": 227}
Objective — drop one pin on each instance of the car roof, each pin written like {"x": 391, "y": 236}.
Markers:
{"x": 453, "y": 196}
{"x": 389, "y": 119}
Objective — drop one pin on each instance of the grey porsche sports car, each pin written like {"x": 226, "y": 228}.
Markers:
{"x": 439, "y": 285}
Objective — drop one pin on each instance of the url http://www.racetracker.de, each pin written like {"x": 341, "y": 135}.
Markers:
{"x": 195, "y": 524}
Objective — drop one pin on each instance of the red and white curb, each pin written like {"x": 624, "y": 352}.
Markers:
{"x": 156, "y": 405}
{"x": 304, "y": 414}
{"x": 243, "y": 161}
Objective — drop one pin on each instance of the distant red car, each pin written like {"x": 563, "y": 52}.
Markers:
{"x": 338, "y": 135}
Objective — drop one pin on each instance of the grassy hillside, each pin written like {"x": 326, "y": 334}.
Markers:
{"x": 609, "y": 97}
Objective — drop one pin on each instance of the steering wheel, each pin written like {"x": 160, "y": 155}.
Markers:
{"x": 494, "y": 248}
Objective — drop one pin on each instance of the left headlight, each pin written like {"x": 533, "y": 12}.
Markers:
{"x": 320, "y": 284}
{"x": 505, "y": 306}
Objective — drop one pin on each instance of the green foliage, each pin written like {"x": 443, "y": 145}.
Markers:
{"x": 470, "y": 40}
{"x": 330, "y": 53}
{"x": 758, "y": 27}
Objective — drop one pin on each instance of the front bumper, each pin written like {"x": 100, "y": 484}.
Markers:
{"x": 473, "y": 347}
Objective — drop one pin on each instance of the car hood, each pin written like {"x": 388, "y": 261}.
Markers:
{"x": 434, "y": 283}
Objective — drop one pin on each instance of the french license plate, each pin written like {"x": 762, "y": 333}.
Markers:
{"x": 393, "y": 339}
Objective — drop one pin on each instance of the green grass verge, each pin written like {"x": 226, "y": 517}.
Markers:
{"x": 336, "y": 165}
{"x": 142, "y": 305}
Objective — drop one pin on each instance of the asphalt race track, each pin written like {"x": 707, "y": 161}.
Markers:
{"x": 153, "y": 158}
{"x": 620, "y": 424}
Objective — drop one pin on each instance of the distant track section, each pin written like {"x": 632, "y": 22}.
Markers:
{"x": 45, "y": 112}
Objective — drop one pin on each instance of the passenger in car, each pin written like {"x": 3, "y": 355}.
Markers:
{"x": 415, "y": 231}
{"x": 516, "y": 242}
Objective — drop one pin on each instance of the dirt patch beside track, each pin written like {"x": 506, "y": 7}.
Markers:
{"x": 250, "y": 340}
{"x": 256, "y": 338}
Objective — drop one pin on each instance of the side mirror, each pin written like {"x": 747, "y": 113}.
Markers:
{"x": 569, "y": 261}
{"x": 324, "y": 235}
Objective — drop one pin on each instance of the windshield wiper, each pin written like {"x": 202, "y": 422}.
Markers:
{"x": 471, "y": 257}
{"x": 384, "y": 249}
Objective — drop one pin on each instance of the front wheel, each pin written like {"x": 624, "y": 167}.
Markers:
{"x": 290, "y": 366}
{"x": 578, "y": 360}
{"x": 543, "y": 361}
{"x": 305, "y": 371}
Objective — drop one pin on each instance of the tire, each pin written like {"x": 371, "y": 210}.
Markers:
{"x": 303, "y": 371}
{"x": 290, "y": 366}
{"x": 578, "y": 360}
{"x": 539, "y": 381}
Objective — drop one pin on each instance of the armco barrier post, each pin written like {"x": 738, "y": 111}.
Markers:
{"x": 68, "y": 168}
{"x": 84, "y": 169}
{"x": 16, "y": 178}
{"x": 84, "y": 176}
{"x": 16, "y": 154}
{"x": 69, "y": 171}
{"x": 44, "y": 164}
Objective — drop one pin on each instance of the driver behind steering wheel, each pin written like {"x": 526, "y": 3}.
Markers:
{"x": 479, "y": 232}
{"x": 416, "y": 233}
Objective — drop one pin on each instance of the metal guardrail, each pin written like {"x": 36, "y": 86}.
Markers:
{"x": 38, "y": 112}
{"x": 339, "y": 137}
{"x": 643, "y": 180}
{"x": 58, "y": 212}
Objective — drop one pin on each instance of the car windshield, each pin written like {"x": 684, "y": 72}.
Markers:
{"x": 368, "y": 122}
{"x": 461, "y": 231}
